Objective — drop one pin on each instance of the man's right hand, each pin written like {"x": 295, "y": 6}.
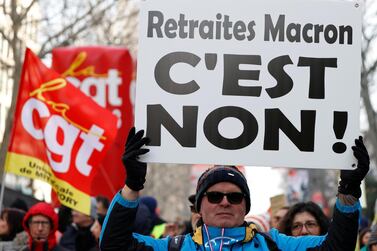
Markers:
{"x": 135, "y": 169}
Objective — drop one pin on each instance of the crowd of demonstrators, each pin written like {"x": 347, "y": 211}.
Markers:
{"x": 41, "y": 228}
{"x": 219, "y": 217}
{"x": 304, "y": 218}
{"x": 222, "y": 200}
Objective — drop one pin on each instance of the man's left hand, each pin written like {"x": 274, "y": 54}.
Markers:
{"x": 350, "y": 180}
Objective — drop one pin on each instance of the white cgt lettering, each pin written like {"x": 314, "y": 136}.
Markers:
{"x": 100, "y": 85}
{"x": 63, "y": 148}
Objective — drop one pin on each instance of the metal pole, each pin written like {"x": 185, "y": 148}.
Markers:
{"x": 2, "y": 190}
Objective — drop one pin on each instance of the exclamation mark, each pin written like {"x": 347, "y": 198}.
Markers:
{"x": 339, "y": 126}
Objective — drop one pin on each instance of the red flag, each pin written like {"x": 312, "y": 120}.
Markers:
{"x": 104, "y": 73}
{"x": 59, "y": 134}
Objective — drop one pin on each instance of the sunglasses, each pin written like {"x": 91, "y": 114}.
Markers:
{"x": 217, "y": 197}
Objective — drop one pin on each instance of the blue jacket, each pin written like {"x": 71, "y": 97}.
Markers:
{"x": 117, "y": 234}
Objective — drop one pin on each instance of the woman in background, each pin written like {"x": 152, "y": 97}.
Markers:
{"x": 304, "y": 218}
{"x": 10, "y": 223}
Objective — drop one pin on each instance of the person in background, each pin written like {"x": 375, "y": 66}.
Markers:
{"x": 102, "y": 205}
{"x": 11, "y": 223}
{"x": 158, "y": 223}
{"x": 97, "y": 227}
{"x": 78, "y": 236}
{"x": 223, "y": 199}
{"x": 304, "y": 218}
{"x": 19, "y": 204}
{"x": 143, "y": 221}
{"x": 195, "y": 216}
{"x": 10, "y": 228}
{"x": 260, "y": 221}
{"x": 65, "y": 218}
{"x": 372, "y": 242}
{"x": 41, "y": 224}
{"x": 364, "y": 236}
{"x": 278, "y": 216}
{"x": 189, "y": 226}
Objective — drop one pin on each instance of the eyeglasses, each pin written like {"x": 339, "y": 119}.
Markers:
{"x": 217, "y": 197}
{"x": 309, "y": 225}
{"x": 37, "y": 223}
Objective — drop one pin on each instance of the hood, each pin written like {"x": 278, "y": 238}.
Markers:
{"x": 46, "y": 210}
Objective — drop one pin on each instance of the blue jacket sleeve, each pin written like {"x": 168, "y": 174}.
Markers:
{"x": 117, "y": 228}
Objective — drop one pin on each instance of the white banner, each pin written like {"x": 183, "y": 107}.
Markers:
{"x": 264, "y": 83}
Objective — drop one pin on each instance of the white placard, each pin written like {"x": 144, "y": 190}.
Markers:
{"x": 264, "y": 83}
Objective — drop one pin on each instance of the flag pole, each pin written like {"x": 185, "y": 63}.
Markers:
{"x": 2, "y": 191}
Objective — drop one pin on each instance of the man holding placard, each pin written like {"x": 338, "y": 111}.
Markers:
{"x": 246, "y": 83}
{"x": 223, "y": 199}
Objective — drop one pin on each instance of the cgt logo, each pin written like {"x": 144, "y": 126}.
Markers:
{"x": 61, "y": 124}
{"x": 102, "y": 87}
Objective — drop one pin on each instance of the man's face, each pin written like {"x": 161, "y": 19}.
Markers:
{"x": 223, "y": 214}
{"x": 40, "y": 228}
{"x": 279, "y": 215}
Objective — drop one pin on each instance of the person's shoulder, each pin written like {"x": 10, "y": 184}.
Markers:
{"x": 7, "y": 246}
{"x": 71, "y": 229}
{"x": 19, "y": 243}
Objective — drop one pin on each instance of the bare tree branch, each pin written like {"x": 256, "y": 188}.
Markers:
{"x": 5, "y": 63}
{"x": 26, "y": 10}
{"x": 74, "y": 23}
{"x": 371, "y": 69}
{"x": 4, "y": 9}
{"x": 4, "y": 36}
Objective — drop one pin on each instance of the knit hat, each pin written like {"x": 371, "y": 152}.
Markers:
{"x": 151, "y": 204}
{"x": 218, "y": 174}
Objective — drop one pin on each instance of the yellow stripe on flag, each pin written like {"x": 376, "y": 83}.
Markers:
{"x": 34, "y": 168}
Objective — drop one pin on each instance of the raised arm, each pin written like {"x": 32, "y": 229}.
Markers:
{"x": 342, "y": 234}
{"x": 117, "y": 228}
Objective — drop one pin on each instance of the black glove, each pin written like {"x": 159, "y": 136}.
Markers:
{"x": 135, "y": 169}
{"x": 350, "y": 180}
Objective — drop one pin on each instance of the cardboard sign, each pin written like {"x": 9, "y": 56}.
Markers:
{"x": 264, "y": 83}
{"x": 104, "y": 73}
{"x": 59, "y": 134}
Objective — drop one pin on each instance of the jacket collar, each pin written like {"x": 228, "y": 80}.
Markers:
{"x": 228, "y": 236}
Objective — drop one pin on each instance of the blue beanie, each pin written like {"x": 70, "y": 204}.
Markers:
{"x": 151, "y": 204}
{"x": 218, "y": 174}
